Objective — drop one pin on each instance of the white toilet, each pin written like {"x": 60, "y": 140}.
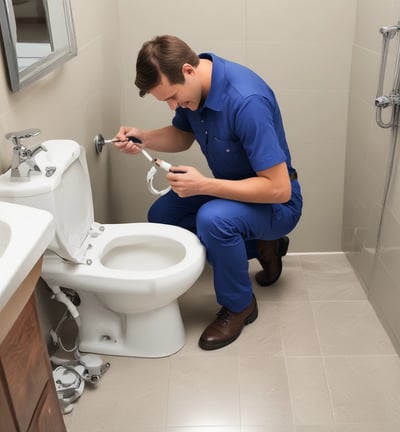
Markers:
{"x": 128, "y": 276}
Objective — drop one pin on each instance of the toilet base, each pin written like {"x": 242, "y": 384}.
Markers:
{"x": 155, "y": 333}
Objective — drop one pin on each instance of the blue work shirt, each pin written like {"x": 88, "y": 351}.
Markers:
{"x": 239, "y": 127}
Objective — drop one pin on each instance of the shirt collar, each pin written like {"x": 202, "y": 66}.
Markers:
{"x": 216, "y": 94}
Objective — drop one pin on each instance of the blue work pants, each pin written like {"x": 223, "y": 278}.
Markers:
{"x": 229, "y": 231}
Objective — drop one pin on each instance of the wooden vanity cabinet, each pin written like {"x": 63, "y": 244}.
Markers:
{"x": 28, "y": 400}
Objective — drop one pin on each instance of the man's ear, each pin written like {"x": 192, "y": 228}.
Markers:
{"x": 188, "y": 69}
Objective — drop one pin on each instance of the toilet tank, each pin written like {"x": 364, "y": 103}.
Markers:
{"x": 63, "y": 188}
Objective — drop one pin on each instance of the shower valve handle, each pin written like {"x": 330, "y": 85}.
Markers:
{"x": 385, "y": 101}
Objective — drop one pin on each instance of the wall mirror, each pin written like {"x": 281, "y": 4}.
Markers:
{"x": 38, "y": 36}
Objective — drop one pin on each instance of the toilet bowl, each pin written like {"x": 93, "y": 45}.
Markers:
{"x": 128, "y": 276}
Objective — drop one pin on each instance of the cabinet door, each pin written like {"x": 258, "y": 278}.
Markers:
{"x": 24, "y": 364}
{"x": 7, "y": 422}
{"x": 48, "y": 416}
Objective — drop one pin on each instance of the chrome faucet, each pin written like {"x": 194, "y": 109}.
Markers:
{"x": 23, "y": 162}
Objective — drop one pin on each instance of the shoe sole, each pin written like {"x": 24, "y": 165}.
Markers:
{"x": 208, "y": 347}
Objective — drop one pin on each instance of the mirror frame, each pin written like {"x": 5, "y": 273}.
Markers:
{"x": 19, "y": 79}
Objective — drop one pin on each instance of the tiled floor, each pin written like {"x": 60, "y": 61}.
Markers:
{"x": 316, "y": 360}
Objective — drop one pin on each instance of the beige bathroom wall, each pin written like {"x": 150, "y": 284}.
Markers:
{"x": 371, "y": 231}
{"x": 78, "y": 100}
{"x": 301, "y": 47}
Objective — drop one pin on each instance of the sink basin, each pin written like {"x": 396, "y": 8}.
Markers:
{"x": 25, "y": 233}
{"x": 5, "y": 236}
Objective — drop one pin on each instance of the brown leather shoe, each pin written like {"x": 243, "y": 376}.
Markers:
{"x": 227, "y": 326}
{"x": 270, "y": 257}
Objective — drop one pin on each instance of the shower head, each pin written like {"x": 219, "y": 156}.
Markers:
{"x": 389, "y": 31}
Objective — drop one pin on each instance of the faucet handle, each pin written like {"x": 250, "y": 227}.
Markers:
{"x": 15, "y": 137}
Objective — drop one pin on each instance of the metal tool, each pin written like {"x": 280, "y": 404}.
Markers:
{"x": 99, "y": 143}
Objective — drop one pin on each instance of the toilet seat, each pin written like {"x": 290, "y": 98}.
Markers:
{"x": 97, "y": 275}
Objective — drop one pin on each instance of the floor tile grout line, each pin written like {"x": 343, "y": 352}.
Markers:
{"x": 324, "y": 364}
{"x": 239, "y": 388}
{"x": 168, "y": 393}
{"x": 285, "y": 357}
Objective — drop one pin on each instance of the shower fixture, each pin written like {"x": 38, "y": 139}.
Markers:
{"x": 390, "y": 31}
{"x": 384, "y": 101}
{"x": 393, "y": 99}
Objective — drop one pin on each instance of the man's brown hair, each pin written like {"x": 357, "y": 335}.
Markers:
{"x": 162, "y": 55}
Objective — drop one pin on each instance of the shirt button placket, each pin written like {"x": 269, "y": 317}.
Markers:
{"x": 205, "y": 131}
